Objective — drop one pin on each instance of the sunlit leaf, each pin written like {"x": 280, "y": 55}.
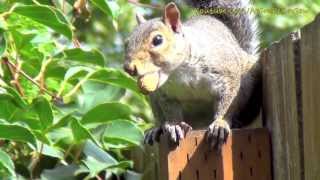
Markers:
{"x": 41, "y": 137}
{"x": 17, "y": 133}
{"x": 79, "y": 55}
{"x": 6, "y": 163}
{"x": 44, "y": 111}
{"x": 80, "y": 133}
{"x": 94, "y": 93}
{"x": 17, "y": 98}
{"x": 3, "y": 43}
{"x": 90, "y": 149}
{"x": 47, "y": 16}
{"x": 106, "y": 112}
{"x": 51, "y": 150}
{"x": 76, "y": 72}
{"x": 111, "y": 8}
{"x": 116, "y": 78}
{"x": 122, "y": 131}
{"x": 60, "y": 173}
{"x": 64, "y": 121}
{"x": 9, "y": 94}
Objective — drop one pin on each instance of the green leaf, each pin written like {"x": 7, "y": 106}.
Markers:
{"x": 123, "y": 131}
{"x": 50, "y": 151}
{"x": 76, "y": 72}
{"x": 106, "y": 112}
{"x": 109, "y": 7}
{"x": 131, "y": 175}
{"x": 80, "y": 133}
{"x": 41, "y": 137}
{"x": 48, "y": 16}
{"x": 3, "y": 43}
{"x": 6, "y": 162}
{"x": 94, "y": 165}
{"x": 44, "y": 111}
{"x": 62, "y": 136}
{"x": 60, "y": 173}
{"x": 94, "y": 93}
{"x": 90, "y": 149}
{"x": 28, "y": 52}
{"x": 116, "y": 78}
{"x": 8, "y": 109}
{"x": 17, "y": 98}
{"x": 61, "y": 123}
{"x": 17, "y": 133}
{"x": 93, "y": 57}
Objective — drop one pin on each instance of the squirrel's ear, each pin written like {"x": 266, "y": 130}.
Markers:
{"x": 172, "y": 17}
{"x": 140, "y": 18}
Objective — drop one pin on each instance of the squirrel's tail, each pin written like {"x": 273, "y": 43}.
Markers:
{"x": 238, "y": 15}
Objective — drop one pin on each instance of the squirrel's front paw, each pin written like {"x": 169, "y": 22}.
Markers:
{"x": 176, "y": 132}
{"x": 217, "y": 133}
{"x": 152, "y": 135}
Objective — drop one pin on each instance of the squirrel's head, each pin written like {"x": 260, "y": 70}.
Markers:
{"x": 155, "y": 48}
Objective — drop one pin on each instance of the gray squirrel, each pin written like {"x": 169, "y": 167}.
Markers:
{"x": 202, "y": 73}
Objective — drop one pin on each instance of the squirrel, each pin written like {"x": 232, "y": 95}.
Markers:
{"x": 201, "y": 73}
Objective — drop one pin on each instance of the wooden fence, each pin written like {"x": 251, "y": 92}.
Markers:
{"x": 291, "y": 114}
{"x": 291, "y": 109}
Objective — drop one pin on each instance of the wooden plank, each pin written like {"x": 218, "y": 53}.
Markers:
{"x": 245, "y": 156}
{"x": 280, "y": 109}
{"x": 310, "y": 74}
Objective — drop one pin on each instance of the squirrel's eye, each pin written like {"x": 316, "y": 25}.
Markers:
{"x": 157, "y": 40}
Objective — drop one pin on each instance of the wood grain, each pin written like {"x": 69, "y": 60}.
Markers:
{"x": 310, "y": 78}
{"x": 245, "y": 156}
{"x": 280, "y": 109}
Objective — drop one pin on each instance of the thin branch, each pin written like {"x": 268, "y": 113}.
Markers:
{"x": 98, "y": 177}
{"x": 7, "y": 13}
{"x": 41, "y": 76}
{"x": 77, "y": 86}
{"x": 63, "y": 6}
{"x": 76, "y": 42}
{"x": 15, "y": 77}
{"x": 152, "y": 6}
{"x": 35, "y": 161}
{"x": 6, "y": 60}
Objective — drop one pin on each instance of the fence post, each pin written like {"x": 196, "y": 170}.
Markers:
{"x": 280, "y": 109}
{"x": 310, "y": 78}
{"x": 245, "y": 156}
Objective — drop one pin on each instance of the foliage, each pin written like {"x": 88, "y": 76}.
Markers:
{"x": 61, "y": 103}
{"x": 67, "y": 110}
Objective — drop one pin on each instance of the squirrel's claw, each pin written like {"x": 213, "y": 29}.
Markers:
{"x": 217, "y": 134}
{"x": 152, "y": 135}
{"x": 174, "y": 132}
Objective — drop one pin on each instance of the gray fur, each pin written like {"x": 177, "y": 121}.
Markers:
{"x": 239, "y": 17}
{"x": 211, "y": 75}
{"x": 189, "y": 89}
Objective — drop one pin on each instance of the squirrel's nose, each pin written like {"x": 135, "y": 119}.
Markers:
{"x": 130, "y": 69}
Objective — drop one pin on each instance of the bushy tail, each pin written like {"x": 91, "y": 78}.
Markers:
{"x": 238, "y": 16}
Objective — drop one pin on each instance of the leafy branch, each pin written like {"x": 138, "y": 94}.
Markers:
{"x": 20, "y": 71}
